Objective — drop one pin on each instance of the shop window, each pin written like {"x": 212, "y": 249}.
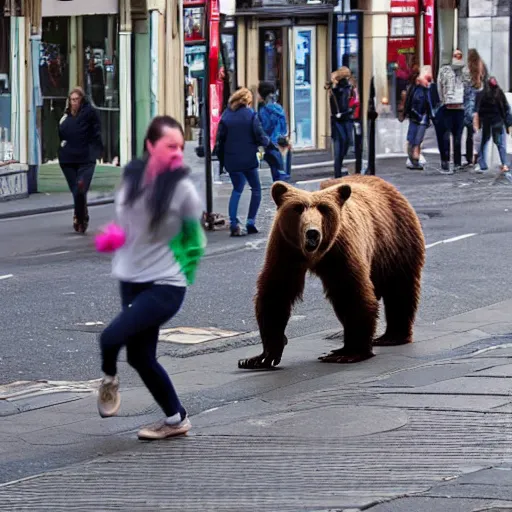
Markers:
{"x": 54, "y": 81}
{"x": 271, "y": 64}
{"x": 5, "y": 86}
{"x": 403, "y": 27}
{"x": 101, "y": 76}
{"x": 194, "y": 26}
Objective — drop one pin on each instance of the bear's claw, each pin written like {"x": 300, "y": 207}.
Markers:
{"x": 342, "y": 358}
{"x": 389, "y": 340}
{"x": 263, "y": 361}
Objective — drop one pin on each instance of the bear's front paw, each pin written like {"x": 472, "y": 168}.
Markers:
{"x": 341, "y": 356}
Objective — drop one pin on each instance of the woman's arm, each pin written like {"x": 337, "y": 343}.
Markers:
{"x": 262, "y": 138}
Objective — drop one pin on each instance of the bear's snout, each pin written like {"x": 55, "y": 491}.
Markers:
{"x": 313, "y": 239}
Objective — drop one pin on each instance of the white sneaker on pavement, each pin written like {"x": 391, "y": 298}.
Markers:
{"x": 162, "y": 430}
{"x": 109, "y": 398}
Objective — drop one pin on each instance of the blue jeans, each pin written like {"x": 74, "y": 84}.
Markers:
{"x": 453, "y": 125}
{"x": 239, "y": 179}
{"x": 79, "y": 177}
{"x": 497, "y": 132}
{"x": 342, "y": 134}
{"x": 280, "y": 170}
{"x": 146, "y": 307}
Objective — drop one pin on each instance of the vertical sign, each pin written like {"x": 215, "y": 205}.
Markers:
{"x": 213, "y": 57}
{"x": 428, "y": 43}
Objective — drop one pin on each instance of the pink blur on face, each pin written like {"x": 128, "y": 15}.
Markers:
{"x": 166, "y": 154}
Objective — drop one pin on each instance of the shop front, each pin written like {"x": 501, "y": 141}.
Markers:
{"x": 5, "y": 85}
{"x": 289, "y": 45}
{"x": 80, "y": 47}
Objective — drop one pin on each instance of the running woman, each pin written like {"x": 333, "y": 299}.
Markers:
{"x": 158, "y": 211}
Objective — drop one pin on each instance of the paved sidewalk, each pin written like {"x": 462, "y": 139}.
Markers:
{"x": 427, "y": 426}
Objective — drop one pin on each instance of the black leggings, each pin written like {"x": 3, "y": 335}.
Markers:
{"x": 146, "y": 307}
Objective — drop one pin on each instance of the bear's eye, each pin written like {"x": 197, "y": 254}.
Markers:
{"x": 323, "y": 209}
{"x": 299, "y": 208}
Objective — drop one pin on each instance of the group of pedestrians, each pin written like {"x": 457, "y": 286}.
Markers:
{"x": 465, "y": 97}
{"x": 242, "y": 130}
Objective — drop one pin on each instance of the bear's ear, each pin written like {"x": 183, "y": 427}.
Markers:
{"x": 279, "y": 189}
{"x": 344, "y": 192}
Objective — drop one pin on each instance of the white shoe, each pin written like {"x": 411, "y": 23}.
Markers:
{"x": 109, "y": 398}
{"x": 162, "y": 430}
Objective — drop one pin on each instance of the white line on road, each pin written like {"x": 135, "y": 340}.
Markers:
{"x": 46, "y": 254}
{"x": 6, "y": 276}
{"x": 449, "y": 240}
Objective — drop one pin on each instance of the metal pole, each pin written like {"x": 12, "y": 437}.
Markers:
{"x": 206, "y": 126}
{"x": 371, "y": 116}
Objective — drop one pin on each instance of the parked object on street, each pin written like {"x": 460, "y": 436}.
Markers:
{"x": 238, "y": 138}
{"x": 363, "y": 239}
{"x": 273, "y": 122}
{"x": 160, "y": 210}
{"x": 80, "y": 148}
{"x": 371, "y": 116}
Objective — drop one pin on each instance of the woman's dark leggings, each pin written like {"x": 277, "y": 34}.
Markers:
{"x": 79, "y": 177}
{"x": 146, "y": 306}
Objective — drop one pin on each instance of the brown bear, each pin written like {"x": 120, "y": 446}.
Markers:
{"x": 363, "y": 239}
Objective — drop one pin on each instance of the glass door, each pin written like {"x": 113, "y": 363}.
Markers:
{"x": 303, "y": 73}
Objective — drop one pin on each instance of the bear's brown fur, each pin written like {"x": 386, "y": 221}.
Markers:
{"x": 362, "y": 238}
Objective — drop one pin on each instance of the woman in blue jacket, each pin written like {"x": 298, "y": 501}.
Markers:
{"x": 238, "y": 138}
{"x": 80, "y": 147}
{"x": 273, "y": 121}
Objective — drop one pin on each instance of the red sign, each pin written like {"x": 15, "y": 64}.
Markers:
{"x": 404, "y": 7}
{"x": 428, "y": 39}
{"x": 404, "y": 47}
{"x": 214, "y": 85}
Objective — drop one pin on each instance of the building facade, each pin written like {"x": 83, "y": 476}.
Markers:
{"x": 139, "y": 58}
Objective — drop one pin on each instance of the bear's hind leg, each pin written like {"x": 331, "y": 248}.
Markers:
{"x": 401, "y": 300}
{"x": 354, "y": 302}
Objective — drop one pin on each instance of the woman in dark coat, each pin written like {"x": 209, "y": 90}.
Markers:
{"x": 80, "y": 147}
{"x": 239, "y": 135}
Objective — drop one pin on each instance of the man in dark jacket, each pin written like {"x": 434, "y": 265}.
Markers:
{"x": 81, "y": 145}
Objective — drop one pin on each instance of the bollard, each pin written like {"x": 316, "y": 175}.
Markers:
{"x": 371, "y": 116}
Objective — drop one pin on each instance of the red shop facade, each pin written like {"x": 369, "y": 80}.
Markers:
{"x": 411, "y": 37}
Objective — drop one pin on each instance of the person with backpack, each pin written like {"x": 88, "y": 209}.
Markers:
{"x": 273, "y": 121}
{"x": 418, "y": 108}
{"x": 341, "y": 92}
{"x": 494, "y": 119}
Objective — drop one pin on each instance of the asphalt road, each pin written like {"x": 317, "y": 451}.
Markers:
{"x": 59, "y": 283}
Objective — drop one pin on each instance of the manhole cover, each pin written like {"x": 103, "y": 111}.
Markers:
{"x": 193, "y": 335}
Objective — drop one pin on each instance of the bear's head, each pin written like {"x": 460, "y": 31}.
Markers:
{"x": 309, "y": 221}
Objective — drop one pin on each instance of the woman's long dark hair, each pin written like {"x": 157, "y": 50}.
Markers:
{"x": 159, "y": 199}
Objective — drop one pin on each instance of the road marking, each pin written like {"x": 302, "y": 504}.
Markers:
{"x": 6, "y": 276}
{"x": 450, "y": 240}
{"x": 46, "y": 254}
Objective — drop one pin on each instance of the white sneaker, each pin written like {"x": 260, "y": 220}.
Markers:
{"x": 109, "y": 398}
{"x": 162, "y": 430}
{"x": 479, "y": 170}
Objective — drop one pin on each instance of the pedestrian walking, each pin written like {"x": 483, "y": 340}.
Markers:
{"x": 341, "y": 92}
{"x": 158, "y": 211}
{"x": 273, "y": 121}
{"x": 475, "y": 74}
{"x": 238, "y": 137}
{"x": 418, "y": 108}
{"x": 450, "y": 86}
{"x": 80, "y": 147}
{"x": 493, "y": 118}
